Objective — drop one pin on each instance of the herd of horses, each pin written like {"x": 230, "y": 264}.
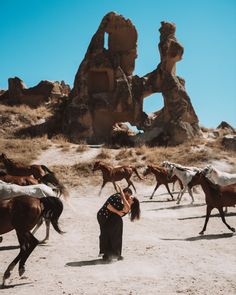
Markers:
{"x": 30, "y": 194}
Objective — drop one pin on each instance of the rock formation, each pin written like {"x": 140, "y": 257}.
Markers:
{"x": 18, "y": 93}
{"x": 105, "y": 92}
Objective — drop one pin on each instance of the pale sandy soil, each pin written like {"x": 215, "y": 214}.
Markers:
{"x": 163, "y": 252}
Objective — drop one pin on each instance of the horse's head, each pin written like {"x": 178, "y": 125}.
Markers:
{"x": 3, "y": 157}
{"x": 147, "y": 170}
{"x": 170, "y": 170}
{"x": 207, "y": 170}
{"x": 97, "y": 166}
{"x": 197, "y": 179}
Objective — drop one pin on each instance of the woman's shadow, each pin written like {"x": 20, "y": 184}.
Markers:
{"x": 87, "y": 263}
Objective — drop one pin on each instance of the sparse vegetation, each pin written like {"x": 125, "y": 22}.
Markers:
{"x": 197, "y": 152}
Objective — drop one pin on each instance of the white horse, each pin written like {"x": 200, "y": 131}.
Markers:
{"x": 185, "y": 174}
{"x": 219, "y": 177}
{"x": 9, "y": 190}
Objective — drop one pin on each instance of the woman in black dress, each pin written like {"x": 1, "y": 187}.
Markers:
{"x": 111, "y": 223}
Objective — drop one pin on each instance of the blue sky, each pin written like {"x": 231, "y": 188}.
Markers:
{"x": 47, "y": 40}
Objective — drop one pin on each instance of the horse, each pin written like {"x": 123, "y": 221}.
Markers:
{"x": 32, "y": 209}
{"x": 39, "y": 190}
{"x": 216, "y": 197}
{"x": 113, "y": 174}
{"x": 185, "y": 174}
{"x": 219, "y": 177}
{"x": 8, "y": 191}
{"x": 19, "y": 169}
{"x": 161, "y": 175}
{"x": 20, "y": 180}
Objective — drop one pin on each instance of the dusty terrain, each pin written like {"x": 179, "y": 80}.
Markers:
{"x": 163, "y": 252}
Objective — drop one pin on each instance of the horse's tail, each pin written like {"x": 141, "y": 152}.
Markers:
{"x": 52, "y": 209}
{"x": 136, "y": 172}
{"x": 46, "y": 169}
{"x": 52, "y": 179}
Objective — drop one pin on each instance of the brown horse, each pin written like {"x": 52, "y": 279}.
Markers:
{"x": 161, "y": 175}
{"x": 33, "y": 209}
{"x": 20, "y": 169}
{"x": 113, "y": 174}
{"x": 216, "y": 197}
{"x": 20, "y": 180}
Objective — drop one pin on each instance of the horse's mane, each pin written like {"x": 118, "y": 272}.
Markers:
{"x": 3, "y": 173}
{"x": 180, "y": 168}
{"x": 214, "y": 187}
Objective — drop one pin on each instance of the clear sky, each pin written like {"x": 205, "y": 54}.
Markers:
{"x": 47, "y": 40}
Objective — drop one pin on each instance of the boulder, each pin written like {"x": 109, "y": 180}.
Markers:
{"x": 229, "y": 142}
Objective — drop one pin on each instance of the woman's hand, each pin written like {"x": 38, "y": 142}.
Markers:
{"x": 114, "y": 210}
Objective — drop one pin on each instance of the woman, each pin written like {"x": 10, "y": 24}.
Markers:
{"x": 111, "y": 223}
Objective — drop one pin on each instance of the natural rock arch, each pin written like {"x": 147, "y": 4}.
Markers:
{"x": 105, "y": 92}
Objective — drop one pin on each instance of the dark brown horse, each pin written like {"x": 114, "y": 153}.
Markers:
{"x": 19, "y": 169}
{"x": 216, "y": 197}
{"x": 113, "y": 174}
{"x": 161, "y": 175}
{"x": 32, "y": 209}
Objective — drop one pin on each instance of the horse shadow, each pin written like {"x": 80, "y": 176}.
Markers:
{"x": 203, "y": 237}
{"x": 87, "y": 263}
{"x": 204, "y": 216}
{"x": 2, "y": 287}
{"x": 5, "y": 248}
{"x": 179, "y": 207}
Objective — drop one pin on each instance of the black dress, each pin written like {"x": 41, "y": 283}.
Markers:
{"x": 111, "y": 227}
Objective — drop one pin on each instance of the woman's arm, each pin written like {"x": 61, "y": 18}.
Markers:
{"x": 114, "y": 210}
{"x": 125, "y": 202}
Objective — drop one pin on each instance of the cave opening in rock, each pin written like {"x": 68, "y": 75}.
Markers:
{"x": 106, "y": 36}
{"x": 153, "y": 103}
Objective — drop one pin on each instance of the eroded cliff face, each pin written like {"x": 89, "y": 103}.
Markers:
{"x": 105, "y": 92}
{"x": 18, "y": 93}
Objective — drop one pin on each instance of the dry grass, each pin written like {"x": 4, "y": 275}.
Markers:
{"x": 104, "y": 154}
{"x": 24, "y": 110}
{"x": 76, "y": 175}
{"x": 24, "y": 150}
{"x": 82, "y": 147}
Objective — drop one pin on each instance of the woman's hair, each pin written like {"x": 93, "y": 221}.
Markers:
{"x": 127, "y": 190}
{"x": 135, "y": 210}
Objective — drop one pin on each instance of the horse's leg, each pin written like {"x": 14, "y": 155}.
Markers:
{"x": 11, "y": 266}
{"x": 191, "y": 194}
{"x": 222, "y": 215}
{"x": 115, "y": 187}
{"x": 131, "y": 183}
{"x": 156, "y": 187}
{"x": 103, "y": 184}
{"x": 167, "y": 187}
{"x": 37, "y": 226}
{"x": 208, "y": 213}
{"x": 47, "y": 222}
{"x": 32, "y": 243}
{"x": 181, "y": 194}
{"x": 173, "y": 186}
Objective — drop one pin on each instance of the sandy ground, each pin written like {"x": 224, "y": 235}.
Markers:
{"x": 163, "y": 253}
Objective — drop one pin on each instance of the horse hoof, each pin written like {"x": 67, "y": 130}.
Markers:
{"x": 201, "y": 233}
{"x": 21, "y": 271}
{"x": 150, "y": 198}
{"x": 43, "y": 242}
{"x": 7, "y": 275}
{"x": 233, "y": 229}
{"x": 1, "y": 238}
